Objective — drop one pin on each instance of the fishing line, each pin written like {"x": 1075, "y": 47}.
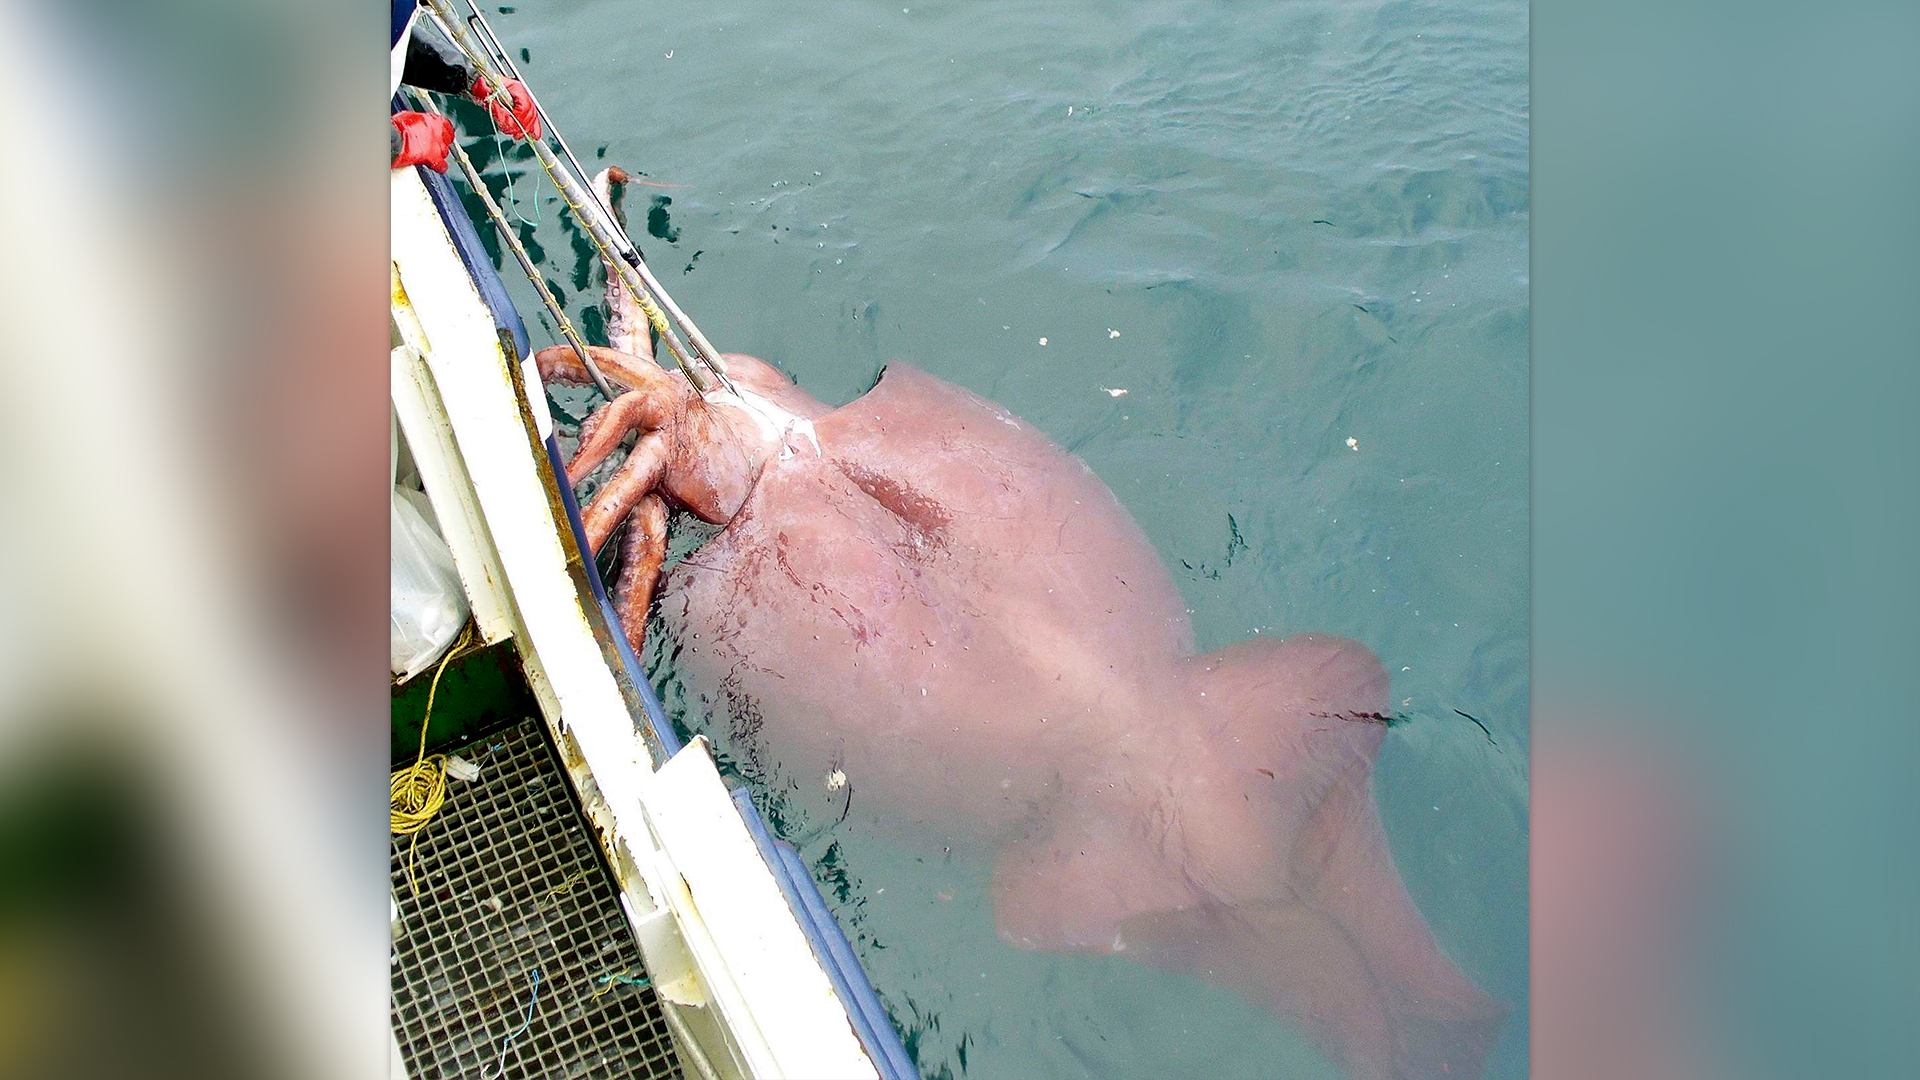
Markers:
{"x": 512, "y": 240}
{"x": 645, "y": 287}
{"x": 500, "y": 1066}
{"x": 502, "y": 143}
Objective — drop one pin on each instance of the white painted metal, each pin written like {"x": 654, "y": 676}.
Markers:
{"x": 720, "y": 890}
{"x": 694, "y": 885}
{"x": 430, "y": 440}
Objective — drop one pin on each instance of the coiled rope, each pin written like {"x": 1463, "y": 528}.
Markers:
{"x": 417, "y": 791}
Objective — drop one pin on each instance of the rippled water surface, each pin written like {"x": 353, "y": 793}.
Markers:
{"x": 1295, "y": 234}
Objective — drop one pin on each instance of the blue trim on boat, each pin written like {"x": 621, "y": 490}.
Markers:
{"x": 656, "y": 714}
{"x": 870, "y": 1020}
{"x": 871, "y": 1024}
{"x": 479, "y": 264}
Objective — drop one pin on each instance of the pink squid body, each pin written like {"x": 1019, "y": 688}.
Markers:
{"x": 924, "y": 595}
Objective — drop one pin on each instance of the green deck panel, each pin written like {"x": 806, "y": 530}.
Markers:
{"x": 480, "y": 692}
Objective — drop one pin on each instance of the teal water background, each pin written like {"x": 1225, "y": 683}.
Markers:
{"x": 1294, "y": 233}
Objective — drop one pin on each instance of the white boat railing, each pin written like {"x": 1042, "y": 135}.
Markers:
{"x": 745, "y": 992}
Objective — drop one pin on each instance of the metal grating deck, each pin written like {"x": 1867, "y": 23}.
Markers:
{"x": 509, "y": 884}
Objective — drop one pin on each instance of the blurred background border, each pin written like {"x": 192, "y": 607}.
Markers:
{"x": 1725, "y": 389}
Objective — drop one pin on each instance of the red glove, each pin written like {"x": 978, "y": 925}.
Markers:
{"x": 425, "y": 139}
{"x": 521, "y": 118}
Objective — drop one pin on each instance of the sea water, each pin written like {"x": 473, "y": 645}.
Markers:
{"x": 1262, "y": 266}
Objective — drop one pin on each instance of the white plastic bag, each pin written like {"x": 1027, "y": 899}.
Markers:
{"x": 428, "y": 606}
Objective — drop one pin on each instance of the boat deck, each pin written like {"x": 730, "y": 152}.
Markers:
{"x": 510, "y": 885}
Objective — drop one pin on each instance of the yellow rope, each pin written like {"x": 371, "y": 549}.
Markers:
{"x": 567, "y": 887}
{"x": 607, "y": 982}
{"x": 417, "y": 791}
